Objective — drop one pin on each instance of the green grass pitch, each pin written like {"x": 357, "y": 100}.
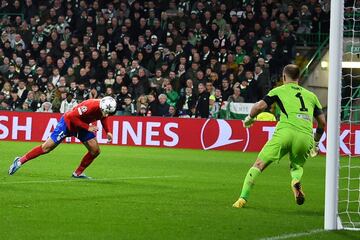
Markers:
{"x": 153, "y": 193}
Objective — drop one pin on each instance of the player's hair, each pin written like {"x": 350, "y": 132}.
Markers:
{"x": 292, "y": 71}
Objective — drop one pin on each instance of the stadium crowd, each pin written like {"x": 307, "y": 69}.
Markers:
{"x": 156, "y": 58}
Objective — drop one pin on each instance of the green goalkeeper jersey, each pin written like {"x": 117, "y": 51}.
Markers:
{"x": 298, "y": 107}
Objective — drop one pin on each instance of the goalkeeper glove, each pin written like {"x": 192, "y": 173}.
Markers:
{"x": 248, "y": 121}
{"x": 315, "y": 150}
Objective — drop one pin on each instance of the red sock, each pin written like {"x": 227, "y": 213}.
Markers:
{"x": 85, "y": 162}
{"x": 33, "y": 153}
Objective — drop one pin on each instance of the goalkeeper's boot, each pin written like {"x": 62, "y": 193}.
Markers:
{"x": 298, "y": 193}
{"x": 80, "y": 176}
{"x": 15, "y": 166}
{"x": 240, "y": 203}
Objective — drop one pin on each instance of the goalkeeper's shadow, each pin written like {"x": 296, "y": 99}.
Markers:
{"x": 296, "y": 210}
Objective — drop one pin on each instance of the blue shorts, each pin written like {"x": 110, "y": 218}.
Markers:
{"x": 61, "y": 132}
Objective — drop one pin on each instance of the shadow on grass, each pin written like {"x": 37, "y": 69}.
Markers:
{"x": 281, "y": 211}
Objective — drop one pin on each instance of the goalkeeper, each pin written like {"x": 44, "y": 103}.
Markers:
{"x": 293, "y": 134}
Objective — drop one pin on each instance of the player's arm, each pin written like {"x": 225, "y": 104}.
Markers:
{"x": 105, "y": 124}
{"x": 321, "y": 124}
{"x": 77, "y": 121}
{"x": 320, "y": 128}
{"x": 257, "y": 108}
{"x": 260, "y": 106}
{"x": 76, "y": 118}
{"x": 320, "y": 118}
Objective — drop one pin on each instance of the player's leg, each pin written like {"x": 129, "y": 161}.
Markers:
{"x": 250, "y": 178}
{"x": 44, "y": 148}
{"x": 59, "y": 133}
{"x": 93, "y": 151}
{"x": 273, "y": 150}
{"x": 296, "y": 172}
{"x": 300, "y": 150}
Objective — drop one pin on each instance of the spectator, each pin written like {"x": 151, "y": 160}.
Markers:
{"x": 109, "y": 92}
{"x": 6, "y": 90}
{"x": 45, "y": 107}
{"x": 36, "y": 91}
{"x": 11, "y": 73}
{"x": 81, "y": 93}
{"x": 236, "y": 96}
{"x": 218, "y": 96}
{"x": 288, "y": 42}
{"x": 50, "y": 92}
{"x": 141, "y": 102}
{"x": 210, "y": 88}
{"x": 171, "y": 94}
{"x": 4, "y": 68}
{"x": 93, "y": 94}
{"x": 22, "y": 92}
{"x": 70, "y": 76}
{"x": 86, "y": 48}
{"x": 142, "y": 111}
{"x": 202, "y": 103}
{"x": 30, "y": 100}
{"x": 68, "y": 103}
{"x": 152, "y": 105}
{"x": 40, "y": 101}
{"x": 119, "y": 83}
{"x": 263, "y": 81}
{"x": 224, "y": 72}
{"x": 2, "y": 97}
{"x": 25, "y": 108}
{"x": 186, "y": 102}
{"x": 120, "y": 100}
{"x": 157, "y": 81}
{"x": 59, "y": 98}
{"x": 252, "y": 92}
{"x": 17, "y": 41}
{"x": 163, "y": 106}
{"x": 226, "y": 90}
{"x": 304, "y": 20}
{"x": 4, "y": 105}
{"x": 172, "y": 112}
{"x": 136, "y": 88}
{"x": 14, "y": 102}
{"x": 129, "y": 108}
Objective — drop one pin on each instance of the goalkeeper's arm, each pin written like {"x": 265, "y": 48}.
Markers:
{"x": 320, "y": 118}
{"x": 258, "y": 107}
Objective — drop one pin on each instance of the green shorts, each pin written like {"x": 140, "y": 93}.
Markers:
{"x": 285, "y": 141}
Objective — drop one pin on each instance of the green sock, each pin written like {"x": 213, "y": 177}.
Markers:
{"x": 249, "y": 182}
{"x": 296, "y": 172}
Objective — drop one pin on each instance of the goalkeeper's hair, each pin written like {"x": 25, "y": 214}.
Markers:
{"x": 292, "y": 71}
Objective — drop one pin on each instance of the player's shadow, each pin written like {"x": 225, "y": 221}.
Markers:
{"x": 299, "y": 211}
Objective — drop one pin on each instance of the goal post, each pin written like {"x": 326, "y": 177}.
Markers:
{"x": 342, "y": 185}
{"x": 333, "y": 115}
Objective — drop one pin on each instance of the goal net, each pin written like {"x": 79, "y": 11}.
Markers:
{"x": 349, "y": 163}
{"x": 342, "y": 201}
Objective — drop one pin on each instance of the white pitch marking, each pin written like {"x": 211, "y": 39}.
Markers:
{"x": 294, "y": 235}
{"x": 87, "y": 180}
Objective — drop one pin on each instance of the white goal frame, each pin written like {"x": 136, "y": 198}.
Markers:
{"x": 333, "y": 115}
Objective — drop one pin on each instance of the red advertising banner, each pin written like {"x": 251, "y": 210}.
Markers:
{"x": 166, "y": 132}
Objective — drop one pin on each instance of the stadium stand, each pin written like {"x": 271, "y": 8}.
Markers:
{"x": 150, "y": 56}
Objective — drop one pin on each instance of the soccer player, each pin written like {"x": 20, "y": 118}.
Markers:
{"x": 76, "y": 122}
{"x": 293, "y": 134}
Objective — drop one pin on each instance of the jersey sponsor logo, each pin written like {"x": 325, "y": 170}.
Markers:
{"x": 304, "y": 116}
{"x": 224, "y": 135}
